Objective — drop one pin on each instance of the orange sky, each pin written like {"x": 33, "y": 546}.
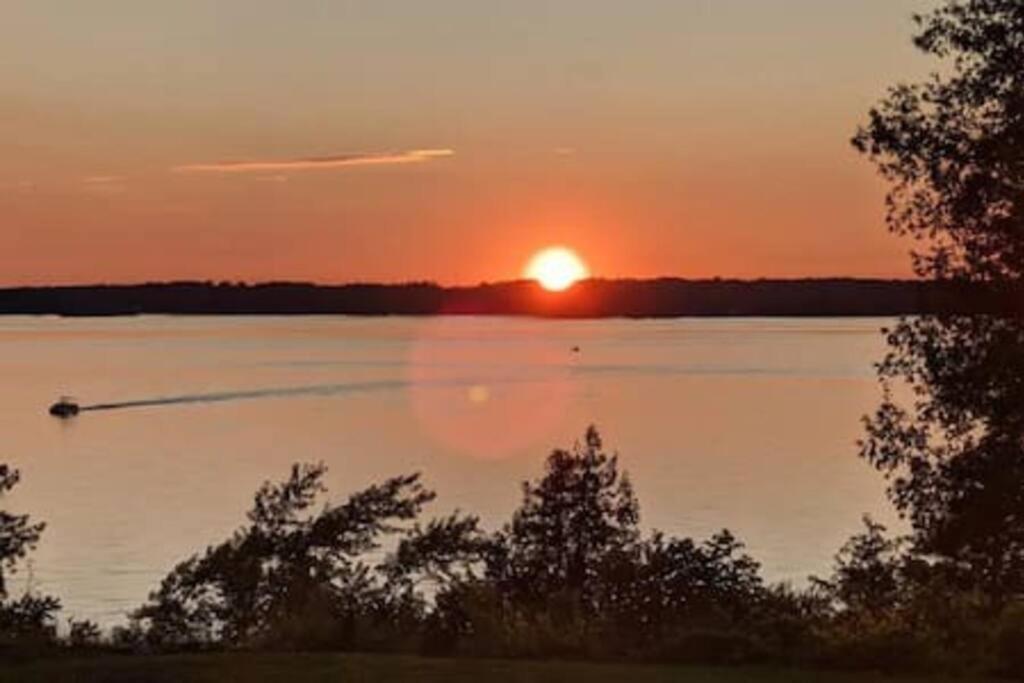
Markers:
{"x": 392, "y": 141}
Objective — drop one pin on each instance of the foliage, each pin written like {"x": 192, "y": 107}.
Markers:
{"x": 290, "y": 578}
{"x": 951, "y": 146}
{"x": 950, "y": 432}
{"x": 447, "y": 551}
{"x": 868, "y": 578}
{"x": 17, "y": 535}
{"x": 715, "y": 579}
{"x": 83, "y": 633}
{"x": 570, "y": 522}
{"x": 29, "y": 620}
{"x": 570, "y": 574}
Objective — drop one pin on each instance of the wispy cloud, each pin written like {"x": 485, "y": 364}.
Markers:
{"x": 104, "y": 184}
{"x": 414, "y": 156}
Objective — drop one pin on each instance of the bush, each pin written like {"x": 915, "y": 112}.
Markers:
{"x": 27, "y": 625}
{"x": 83, "y": 633}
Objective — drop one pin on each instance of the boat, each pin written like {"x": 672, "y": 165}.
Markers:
{"x": 64, "y": 408}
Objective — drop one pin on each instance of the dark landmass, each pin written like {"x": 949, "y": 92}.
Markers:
{"x": 666, "y": 297}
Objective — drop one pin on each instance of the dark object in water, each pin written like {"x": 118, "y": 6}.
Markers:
{"x": 64, "y": 408}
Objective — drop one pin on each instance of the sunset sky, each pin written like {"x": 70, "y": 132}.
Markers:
{"x": 445, "y": 140}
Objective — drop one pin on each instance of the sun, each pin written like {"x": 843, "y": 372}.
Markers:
{"x": 556, "y": 268}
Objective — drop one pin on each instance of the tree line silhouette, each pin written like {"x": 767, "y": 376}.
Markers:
{"x": 664, "y": 297}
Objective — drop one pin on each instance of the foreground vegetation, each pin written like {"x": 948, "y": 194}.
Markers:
{"x": 321, "y": 668}
{"x": 569, "y": 577}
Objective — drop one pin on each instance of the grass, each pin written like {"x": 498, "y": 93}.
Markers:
{"x": 320, "y": 668}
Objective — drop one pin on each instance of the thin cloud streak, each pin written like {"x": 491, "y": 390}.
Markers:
{"x": 104, "y": 185}
{"x": 414, "y": 156}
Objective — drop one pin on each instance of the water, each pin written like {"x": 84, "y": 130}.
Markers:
{"x": 748, "y": 424}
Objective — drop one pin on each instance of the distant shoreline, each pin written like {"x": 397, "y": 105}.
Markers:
{"x": 590, "y": 299}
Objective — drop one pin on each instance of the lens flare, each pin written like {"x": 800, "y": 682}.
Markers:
{"x": 484, "y": 392}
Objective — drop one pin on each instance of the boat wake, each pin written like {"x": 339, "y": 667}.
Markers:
{"x": 314, "y": 390}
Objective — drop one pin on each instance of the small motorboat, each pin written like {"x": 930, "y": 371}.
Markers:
{"x": 64, "y": 408}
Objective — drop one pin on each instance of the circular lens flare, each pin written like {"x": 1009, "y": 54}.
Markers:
{"x": 556, "y": 268}
{"x": 489, "y": 391}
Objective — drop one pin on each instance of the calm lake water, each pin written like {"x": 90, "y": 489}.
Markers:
{"x": 748, "y": 424}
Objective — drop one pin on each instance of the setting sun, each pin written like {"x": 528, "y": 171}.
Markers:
{"x": 556, "y": 268}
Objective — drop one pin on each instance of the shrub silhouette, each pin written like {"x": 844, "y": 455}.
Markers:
{"x": 27, "y": 622}
{"x": 570, "y": 574}
{"x": 289, "y": 578}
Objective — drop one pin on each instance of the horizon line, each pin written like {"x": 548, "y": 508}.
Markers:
{"x": 226, "y": 282}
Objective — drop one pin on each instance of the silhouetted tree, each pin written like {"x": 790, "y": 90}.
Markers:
{"x": 30, "y": 617}
{"x": 446, "y": 561}
{"x": 290, "y": 577}
{"x": 950, "y": 431}
{"x": 83, "y": 633}
{"x": 575, "y": 519}
{"x": 677, "y": 598}
{"x": 448, "y": 551}
{"x": 569, "y": 575}
{"x": 869, "y": 573}
{"x": 17, "y": 534}
{"x": 710, "y": 581}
